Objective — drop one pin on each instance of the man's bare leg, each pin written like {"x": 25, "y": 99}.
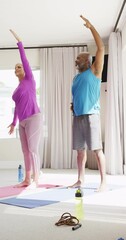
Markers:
{"x": 81, "y": 161}
{"x": 100, "y": 157}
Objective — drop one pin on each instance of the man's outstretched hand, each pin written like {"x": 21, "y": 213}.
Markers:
{"x": 87, "y": 23}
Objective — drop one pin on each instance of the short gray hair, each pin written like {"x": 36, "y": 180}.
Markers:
{"x": 89, "y": 57}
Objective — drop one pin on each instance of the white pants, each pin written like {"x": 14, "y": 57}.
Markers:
{"x": 30, "y": 133}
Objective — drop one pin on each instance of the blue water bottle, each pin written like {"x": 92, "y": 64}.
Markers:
{"x": 20, "y": 173}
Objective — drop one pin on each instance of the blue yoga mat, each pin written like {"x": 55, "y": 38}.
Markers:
{"x": 26, "y": 203}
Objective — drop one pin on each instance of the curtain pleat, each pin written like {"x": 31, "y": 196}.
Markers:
{"x": 57, "y": 67}
{"x": 124, "y": 94}
{"x": 114, "y": 113}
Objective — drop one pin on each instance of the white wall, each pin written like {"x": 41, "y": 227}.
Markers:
{"x": 10, "y": 57}
{"x": 10, "y": 153}
{"x": 10, "y": 149}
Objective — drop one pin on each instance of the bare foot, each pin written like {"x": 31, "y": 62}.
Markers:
{"x": 102, "y": 187}
{"x": 22, "y": 184}
{"x": 32, "y": 186}
{"x": 76, "y": 185}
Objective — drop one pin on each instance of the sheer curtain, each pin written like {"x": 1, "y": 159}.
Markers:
{"x": 57, "y": 71}
{"x": 114, "y": 126}
{"x": 124, "y": 89}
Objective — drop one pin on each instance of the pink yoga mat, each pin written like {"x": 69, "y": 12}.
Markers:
{"x": 13, "y": 191}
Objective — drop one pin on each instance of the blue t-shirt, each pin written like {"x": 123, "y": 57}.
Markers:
{"x": 86, "y": 93}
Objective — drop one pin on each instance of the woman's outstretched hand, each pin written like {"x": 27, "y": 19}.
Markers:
{"x": 15, "y": 35}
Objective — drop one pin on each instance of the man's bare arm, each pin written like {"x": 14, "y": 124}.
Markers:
{"x": 97, "y": 66}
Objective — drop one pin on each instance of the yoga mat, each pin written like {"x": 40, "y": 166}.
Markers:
{"x": 64, "y": 193}
{"x": 10, "y": 191}
{"x": 44, "y": 198}
{"x": 50, "y": 196}
{"x": 95, "y": 186}
{"x": 26, "y": 203}
{"x": 60, "y": 194}
{"x": 13, "y": 191}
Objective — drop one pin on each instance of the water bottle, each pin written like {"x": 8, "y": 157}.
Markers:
{"x": 79, "y": 207}
{"x": 20, "y": 173}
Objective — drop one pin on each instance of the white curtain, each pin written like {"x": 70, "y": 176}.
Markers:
{"x": 124, "y": 89}
{"x": 114, "y": 124}
{"x": 57, "y": 71}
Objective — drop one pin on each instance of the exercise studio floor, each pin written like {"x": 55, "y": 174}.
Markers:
{"x": 102, "y": 215}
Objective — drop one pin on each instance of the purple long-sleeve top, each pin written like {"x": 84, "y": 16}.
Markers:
{"x": 24, "y": 95}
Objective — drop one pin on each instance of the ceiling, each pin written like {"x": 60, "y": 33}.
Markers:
{"x": 56, "y": 22}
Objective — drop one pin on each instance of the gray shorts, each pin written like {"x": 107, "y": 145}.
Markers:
{"x": 87, "y": 132}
